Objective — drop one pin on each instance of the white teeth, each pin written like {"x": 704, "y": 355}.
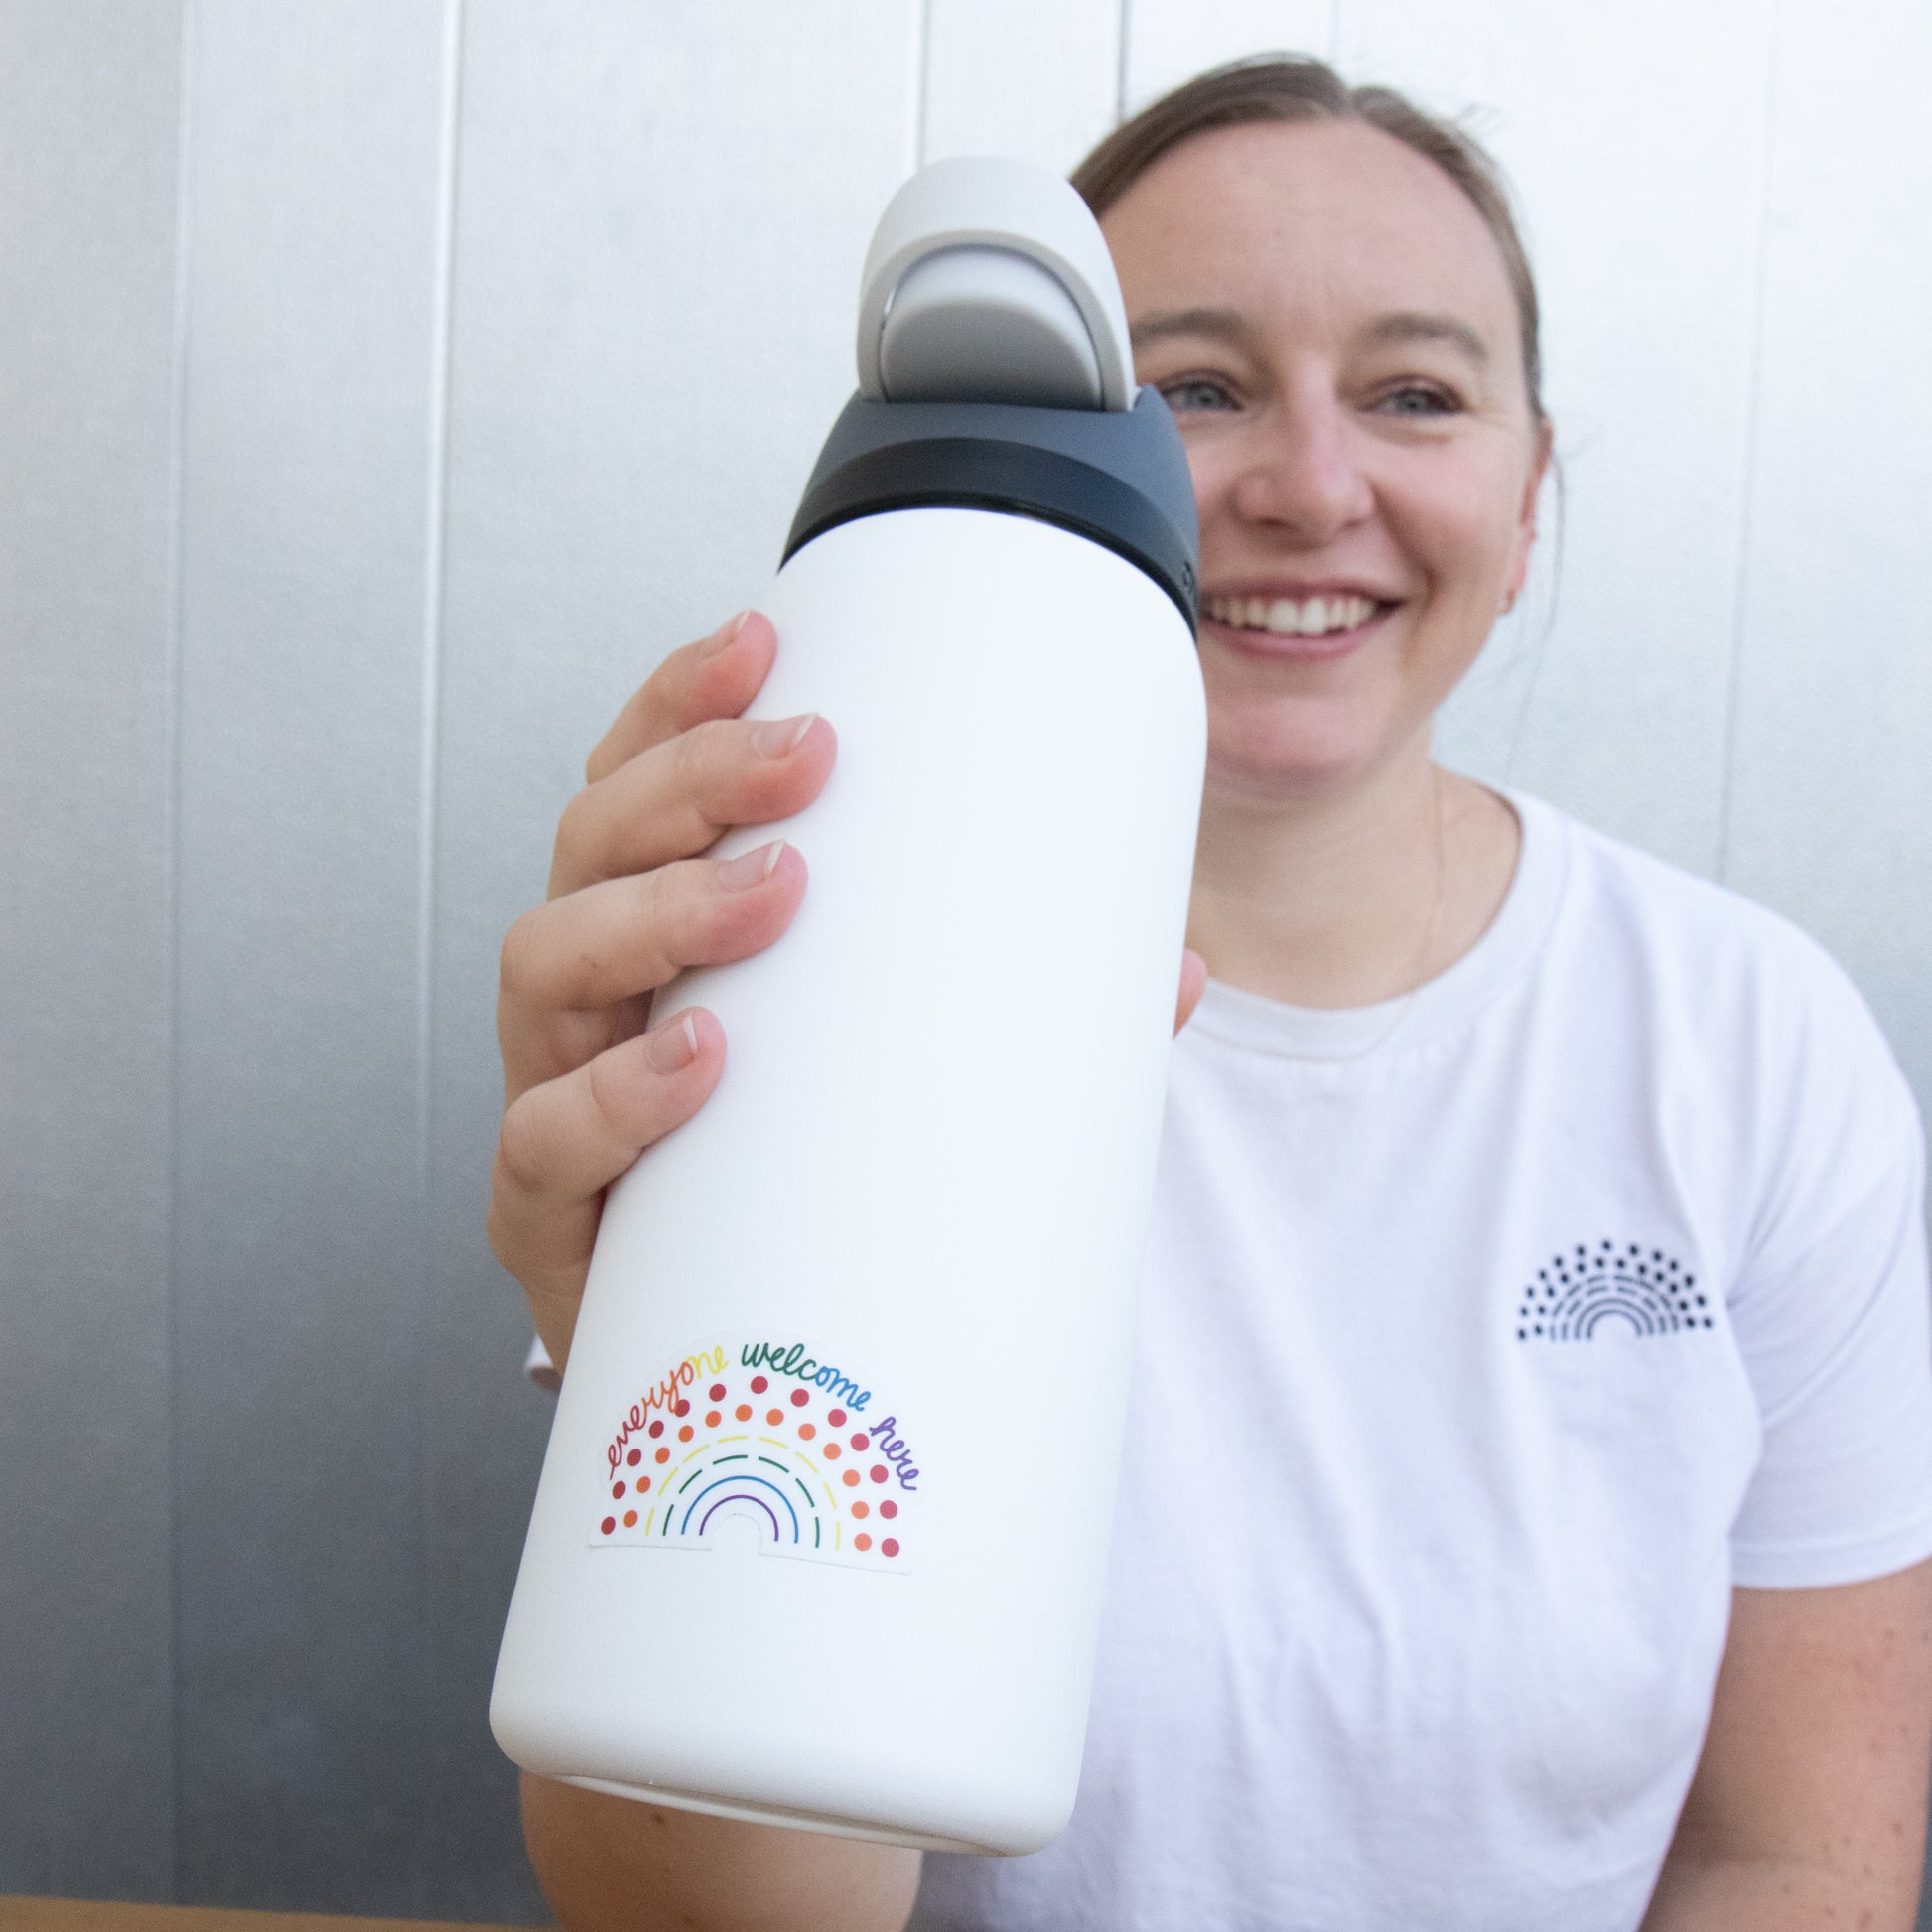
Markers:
{"x": 1286, "y": 617}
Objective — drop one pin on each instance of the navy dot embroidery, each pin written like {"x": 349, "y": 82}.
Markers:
{"x": 1583, "y": 1288}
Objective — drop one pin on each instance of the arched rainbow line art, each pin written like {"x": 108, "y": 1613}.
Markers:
{"x": 743, "y": 1480}
{"x": 801, "y": 1492}
{"x": 1583, "y": 1290}
{"x": 1583, "y": 1305}
{"x": 704, "y": 1522}
{"x": 1613, "y": 1308}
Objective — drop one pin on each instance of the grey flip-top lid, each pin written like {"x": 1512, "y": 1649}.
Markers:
{"x": 995, "y": 373}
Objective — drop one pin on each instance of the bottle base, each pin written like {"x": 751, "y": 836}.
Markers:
{"x": 781, "y": 1815}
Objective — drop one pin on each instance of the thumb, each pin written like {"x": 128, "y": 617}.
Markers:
{"x": 1194, "y": 982}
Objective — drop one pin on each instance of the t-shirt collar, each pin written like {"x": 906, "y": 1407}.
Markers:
{"x": 1440, "y": 1006}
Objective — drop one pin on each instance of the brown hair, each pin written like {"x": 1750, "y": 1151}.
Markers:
{"x": 1267, "y": 88}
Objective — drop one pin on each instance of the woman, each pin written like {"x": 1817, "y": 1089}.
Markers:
{"x": 1528, "y": 1528}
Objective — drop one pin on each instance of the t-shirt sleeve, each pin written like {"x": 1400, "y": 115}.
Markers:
{"x": 1832, "y": 1314}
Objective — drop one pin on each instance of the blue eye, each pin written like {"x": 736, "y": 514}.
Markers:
{"x": 1196, "y": 392}
{"x": 1415, "y": 399}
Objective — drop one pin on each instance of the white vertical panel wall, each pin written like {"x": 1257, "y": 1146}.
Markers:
{"x": 315, "y": 191}
{"x": 1167, "y": 42}
{"x": 1831, "y": 803}
{"x": 1012, "y": 77}
{"x": 493, "y": 354}
{"x": 86, "y": 401}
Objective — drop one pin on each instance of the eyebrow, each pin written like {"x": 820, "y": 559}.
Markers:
{"x": 1401, "y": 326}
{"x": 1412, "y": 326}
{"x": 1229, "y": 324}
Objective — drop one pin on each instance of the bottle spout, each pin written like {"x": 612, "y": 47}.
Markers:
{"x": 988, "y": 280}
{"x": 986, "y": 324}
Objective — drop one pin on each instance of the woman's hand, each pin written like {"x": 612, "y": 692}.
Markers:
{"x": 631, "y": 902}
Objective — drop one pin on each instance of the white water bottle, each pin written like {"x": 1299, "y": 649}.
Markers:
{"x": 821, "y": 1531}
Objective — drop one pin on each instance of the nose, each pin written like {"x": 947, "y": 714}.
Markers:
{"x": 1301, "y": 477}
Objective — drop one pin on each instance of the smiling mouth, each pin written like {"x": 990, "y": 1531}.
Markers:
{"x": 1288, "y": 616}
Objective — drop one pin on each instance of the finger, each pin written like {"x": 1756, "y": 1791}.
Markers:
{"x": 677, "y": 797}
{"x": 717, "y": 677}
{"x": 1193, "y": 983}
{"x": 565, "y": 1141}
{"x": 569, "y": 965}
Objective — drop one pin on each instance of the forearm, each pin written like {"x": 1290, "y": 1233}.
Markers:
{"x": 1776, "y": 1895}
{"x": 612, "y": 1864}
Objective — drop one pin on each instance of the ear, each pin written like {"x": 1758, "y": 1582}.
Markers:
{"x": 1525, "y": 541}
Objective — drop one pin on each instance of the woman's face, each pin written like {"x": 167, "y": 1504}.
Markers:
{"x": 1331, "y": 323}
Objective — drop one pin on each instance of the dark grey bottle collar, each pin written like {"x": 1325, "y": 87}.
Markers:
{"x": 1118, "y": 477}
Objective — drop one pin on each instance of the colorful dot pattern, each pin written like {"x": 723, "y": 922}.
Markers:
{"x": 758, "y": 1446}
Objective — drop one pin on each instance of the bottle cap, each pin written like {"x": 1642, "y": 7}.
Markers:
{"x": 988, "y": 280}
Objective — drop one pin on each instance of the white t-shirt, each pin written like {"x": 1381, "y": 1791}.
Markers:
{"x": 1479, "y": 1359}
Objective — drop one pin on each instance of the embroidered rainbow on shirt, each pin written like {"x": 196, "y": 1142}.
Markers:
{"x": 1584, "y": 1289}
{"x": 765, "y": 1431}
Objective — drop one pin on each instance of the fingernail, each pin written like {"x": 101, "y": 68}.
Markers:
{"x": 782, "y": 735}
{"x": 673, "y": 1046}
{"x": 725, "y": 638}
{"x": 752, "y": 868}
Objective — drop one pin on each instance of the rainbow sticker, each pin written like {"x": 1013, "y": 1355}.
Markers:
{"x": 769, "y": 1431}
